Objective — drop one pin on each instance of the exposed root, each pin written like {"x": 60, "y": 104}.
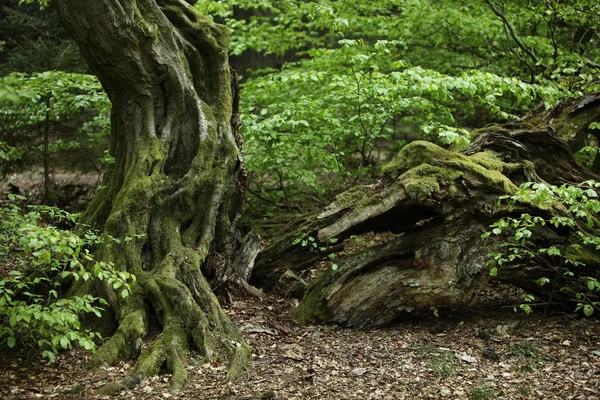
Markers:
{"x": 126, "y": 342}
{"x": 188, "y": 313}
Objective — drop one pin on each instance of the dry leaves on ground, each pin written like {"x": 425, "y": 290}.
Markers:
{"x": 486, "y": 352}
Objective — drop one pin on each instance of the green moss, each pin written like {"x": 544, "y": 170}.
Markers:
{"x": 422, "y": 181}
{"x": 414, "y": 154}
{"x": 351, "y": 196}
{"x": 186, "y": 65}
{"x": 125, "y": 343}
{"x": 208, "y": 67}
{"x": 571, "y": 126}
{"x": 146, "y": 26}
{"x": 423, "y": 168}
{"x": 313, "y": 308}
{"x": 488, "y": 160}
{"x": 490, "y": 178}
{"x": 583, "y": 255}
{"x": 238, "y": 362}
{"x": 111, "y": 389}
{"x": 492, "y": 128}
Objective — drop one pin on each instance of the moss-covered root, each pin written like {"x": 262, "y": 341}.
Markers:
{"x": 206, "y": 324}
{"x": 186, "y": 313}
{"x": 240, "y": 356}
{"x": 126, "y": 342}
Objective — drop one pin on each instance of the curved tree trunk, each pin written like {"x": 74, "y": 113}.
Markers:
{"x": 437, "y": 203}
{"x": 177, "y": 181}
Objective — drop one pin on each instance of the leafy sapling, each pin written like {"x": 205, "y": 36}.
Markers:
{"x": 311, "y": 243}
{"x": 34, "y": 310}
{"x": 577, "y": 212}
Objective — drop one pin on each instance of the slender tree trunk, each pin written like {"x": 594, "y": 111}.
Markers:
{"x": 48, "y": 197}
{"x": 177, "y": 181}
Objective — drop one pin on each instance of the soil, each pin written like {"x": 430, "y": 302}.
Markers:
{"x": 485, "y": 352}
{"x": 73, "y": 191}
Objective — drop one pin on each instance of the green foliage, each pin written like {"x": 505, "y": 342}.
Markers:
{"x": 280, "y": 27}
{"x": 586, "y": 155}
{"x": 71, "y": 111}
{"x": 361, "y": 79}
{"x": 9, "y": 95}
{"x": 8, "y": 153}
{"x": 34, "y": 39}
{"x": 42, "y": 3}
{"x": 11, "y": 91}
{"x": 312, "y": 244}
{"x": 45, "y": 259}
{"x": 328, "y": 117}
{"x": 576, "y": 210}
{"x": 447, "y": 36}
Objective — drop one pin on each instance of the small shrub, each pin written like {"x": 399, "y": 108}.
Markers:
{"x": 576, "y": 209}
{"x": 527, "y": 356}
{"x": 525, "y": 349}
{"x": 524, "y": 390}
{"x": 44, "y": 260}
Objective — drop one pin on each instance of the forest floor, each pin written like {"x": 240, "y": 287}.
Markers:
{"x": 484, "y": 352}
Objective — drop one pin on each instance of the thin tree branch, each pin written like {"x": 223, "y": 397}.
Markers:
{"x": 591, "y": 63}
{"x": 521, "y": 45}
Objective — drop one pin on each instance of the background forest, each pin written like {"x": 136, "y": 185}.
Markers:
{"x": 331, "y": 91}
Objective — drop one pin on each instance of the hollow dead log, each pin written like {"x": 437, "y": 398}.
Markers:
{"x": 437, "y": 203}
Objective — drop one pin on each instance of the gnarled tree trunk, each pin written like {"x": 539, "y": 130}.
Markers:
{"x": 437, "y": 203}
{"x": 177, "y": 180}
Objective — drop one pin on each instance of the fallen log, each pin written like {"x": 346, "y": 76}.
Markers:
{"x": 437, "y": 203}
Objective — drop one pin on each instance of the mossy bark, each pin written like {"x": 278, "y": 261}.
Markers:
{"x": 176, "y": 183}
{"x": 438, "y": 203}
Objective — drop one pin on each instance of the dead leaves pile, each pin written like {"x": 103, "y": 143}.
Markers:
{"x": 469, "y": 355}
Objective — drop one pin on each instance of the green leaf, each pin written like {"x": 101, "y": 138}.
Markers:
{"x": 526, "y": 308}
{"x": 542, "y": 281}
{"x": 554, "y": 251}
{"x": 50, "y": 355}
{"x": 11, "y": 341}
{"x": 64, "y": 342}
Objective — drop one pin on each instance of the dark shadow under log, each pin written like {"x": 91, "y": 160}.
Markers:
{"x": 438, "y": 203}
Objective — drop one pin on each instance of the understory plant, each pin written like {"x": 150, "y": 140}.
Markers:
{"x": 35, "y": 308}
{"x": 53, "y": 118}
{"x": 571, "y": 209}
{"x": 343, "y": 84}
{"x": 587, "y": 155}
{"x": 330, "y": 120}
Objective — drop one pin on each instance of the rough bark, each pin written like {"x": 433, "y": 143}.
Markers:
{"x": 177, "y": 181}
{"x": 438, "y": 203}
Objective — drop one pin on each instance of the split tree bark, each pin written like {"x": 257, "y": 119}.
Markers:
{"x": 177, "y": 182}
{"x": 438, "y": 203}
